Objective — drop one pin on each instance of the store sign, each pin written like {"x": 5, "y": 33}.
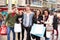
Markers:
{"x": 21, "y": 2}
{"x": 12, "y": 1}
{"x": 2, "y": 2}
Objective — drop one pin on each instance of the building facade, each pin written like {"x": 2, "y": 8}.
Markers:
{"x": 36, "y": 4}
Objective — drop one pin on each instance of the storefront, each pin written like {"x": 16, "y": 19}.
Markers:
{"x": 7, "y": 4}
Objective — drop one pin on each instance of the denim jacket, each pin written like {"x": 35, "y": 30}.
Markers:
{"x": 30, "y": 19}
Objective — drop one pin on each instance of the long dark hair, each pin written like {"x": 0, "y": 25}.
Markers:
{"x": 46, "y": 17}
{"x": 47, "y": 11}
{"x": 40, "y": 13}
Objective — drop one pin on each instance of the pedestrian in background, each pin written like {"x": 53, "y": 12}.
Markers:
{"x": 56, "y": 23}
{"x": 1, "y": 19}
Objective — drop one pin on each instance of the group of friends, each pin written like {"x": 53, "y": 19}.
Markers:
{"x": 28, "y": 18}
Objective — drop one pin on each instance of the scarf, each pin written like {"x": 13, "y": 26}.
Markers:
{"x": 13, "y": 14}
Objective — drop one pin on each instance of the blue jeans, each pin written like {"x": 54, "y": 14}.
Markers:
{"x": 9, "y": 30}
{"x": 47, "y": 38}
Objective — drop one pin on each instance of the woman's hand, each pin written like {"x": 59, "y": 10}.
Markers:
{"x": 38, "y": 22}
{"x": 42, "y": 21}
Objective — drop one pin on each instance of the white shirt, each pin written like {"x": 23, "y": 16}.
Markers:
{"x": 27, "y": 20}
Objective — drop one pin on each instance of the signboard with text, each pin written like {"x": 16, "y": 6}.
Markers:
{"x": 21, "y": 2}
{"x": 2, "y": 2}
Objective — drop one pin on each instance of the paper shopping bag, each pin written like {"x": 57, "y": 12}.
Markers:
{"x": 17, "y": 27}
{"x": 38, "y": 30}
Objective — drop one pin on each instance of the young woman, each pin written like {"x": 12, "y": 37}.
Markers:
{"x": 37, "y": 20}
{"x": 45, "y": 19}
{"x": 19, "y": 19}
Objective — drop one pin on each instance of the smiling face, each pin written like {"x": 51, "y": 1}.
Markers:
{"x": 38, "y": 12}
{"x": 20, "y": 12}
{"x": 27, "y": 8}
{"x": 46, "y": 13}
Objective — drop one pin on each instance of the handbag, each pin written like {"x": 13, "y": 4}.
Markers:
{"x": 38, "y": 30}
{"x": 17, "y": 27}
{"x": 3, "y": 30}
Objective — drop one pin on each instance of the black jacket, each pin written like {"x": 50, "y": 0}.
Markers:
{"x": 55, "y": 22}
{"x": 35, "y": 19}
{"x": 19, "y": 16}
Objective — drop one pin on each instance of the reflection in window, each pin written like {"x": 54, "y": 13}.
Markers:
{"x": 52, "y": 0}
{"x": 13, "y": 1}
{"x": 21, "y": 2}
{"x": 36, "y": 2}
{"x": 2, "y": 2}
{"x": 28, "y": 1}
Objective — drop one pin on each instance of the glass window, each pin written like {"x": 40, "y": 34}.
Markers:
{"x": 22, "y": 2}
{"x": 27, "y": 1}
{"x": 44, "y": 0}
{"x": 2, "y": 2}
{"x": 13, "y": 1}
{"x": 36, "y": 2}
{"x": 52, "y": 0}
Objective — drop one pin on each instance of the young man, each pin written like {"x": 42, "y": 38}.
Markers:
{"x": 10, "y": 20}
{"x": 27, "y": 21}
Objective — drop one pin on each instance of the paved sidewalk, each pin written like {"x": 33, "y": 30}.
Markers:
{"x": 5, "y": 37}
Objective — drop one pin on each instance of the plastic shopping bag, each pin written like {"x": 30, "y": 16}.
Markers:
{"x": 3, "y": 30}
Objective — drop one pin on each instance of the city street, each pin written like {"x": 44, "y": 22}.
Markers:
{"x": 4, "y": 37}
{"x": 17, "y": 8}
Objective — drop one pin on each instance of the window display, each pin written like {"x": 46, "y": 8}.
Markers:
{"x": 2, "y": 2}
{"x": 21, "y": 2}
{"x": 36, "y": 2}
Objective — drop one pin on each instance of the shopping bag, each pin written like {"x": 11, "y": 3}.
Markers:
{"x": 3, "y": 30}
{"x": 48, "y": 34}
{"x": 38, "y": 30}
{"x": 17, "y": 27}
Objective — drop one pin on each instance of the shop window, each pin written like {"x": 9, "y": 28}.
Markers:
{"x": 2, "y": 2}
{"x": 36, "y": 2}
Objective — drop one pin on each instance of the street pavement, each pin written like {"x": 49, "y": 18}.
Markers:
{"x": 4, "y": 37}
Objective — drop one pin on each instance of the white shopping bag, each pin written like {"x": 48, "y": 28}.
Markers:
{"x": 17, "y": 27}
{"x": 38, "y": 30}
{"x": 48, "y": 34}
